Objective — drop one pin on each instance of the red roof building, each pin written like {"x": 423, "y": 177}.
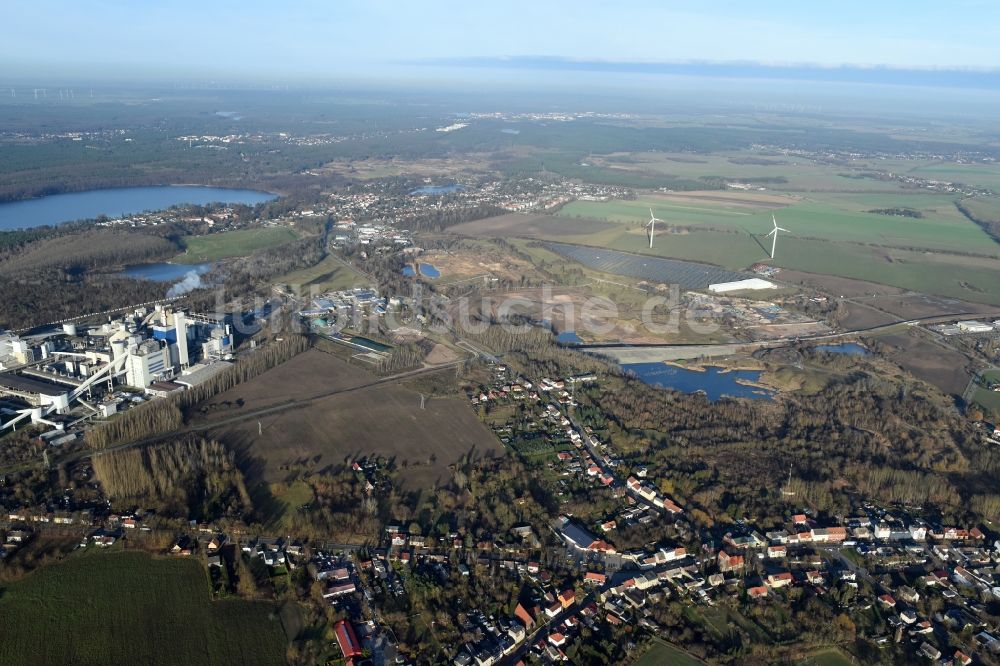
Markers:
{"x": 522, "y": 614}
{"x": 729, "y": 562}
{"x": 347, "y": 639}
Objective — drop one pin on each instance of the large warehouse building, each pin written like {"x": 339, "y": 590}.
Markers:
{"x": 35, "y": 392}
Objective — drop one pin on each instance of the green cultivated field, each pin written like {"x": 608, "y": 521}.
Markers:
{"x": 801, "y": 173}
{"x": 327, "y": 275}
{"x": 833, "y": 234}
{"x": 128, "y": 608}
{"x": 832, "y": 657}
{"x": 830, "y": 217}
{"x": 663, "y": 654}
{"x": 984, "y": 208}
{"x": 199, "y": 249}
{"x": 972, "y": 278}
{"x": 980, "y": 175}
{"x": 989, "y": 400}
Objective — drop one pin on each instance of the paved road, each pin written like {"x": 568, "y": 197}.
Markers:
{"x": 531, "y": 638}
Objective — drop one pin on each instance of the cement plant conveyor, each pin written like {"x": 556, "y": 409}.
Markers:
{"x": 112, "y": 369}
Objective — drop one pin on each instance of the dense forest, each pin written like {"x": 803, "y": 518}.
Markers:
{"x": 186, "y": 478}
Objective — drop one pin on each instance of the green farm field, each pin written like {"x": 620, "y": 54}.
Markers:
{"x": 979, "y": 175}
{"x": 831, "y": 657}
{"x": 129, "y": 608}
{"x": 199, "y": 249}
{"x": 797, "y": 174}
{"x": 327, "y": 275}
{"x": 841, "y": 217}
{"x": 989, "y": 400}
{"x": 984, "y": 208}
{"x": 663, "y": 654}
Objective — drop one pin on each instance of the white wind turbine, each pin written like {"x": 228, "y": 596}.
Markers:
{"x": 652, "y": 226}
{"x": 774, "y": 233}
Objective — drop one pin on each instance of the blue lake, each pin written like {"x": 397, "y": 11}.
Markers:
{"x": 849, "y": 348}
{"x": 426, "y": 270}
{"x": 164, "y": 272}
{"x": 116, "y": 202}
{"x": 714, "y": 382}
{"x": 438, "y": 189}
{"x": 568, "y": 338}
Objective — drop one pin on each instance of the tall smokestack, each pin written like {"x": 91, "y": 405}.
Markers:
{"x": 180, "y": 323}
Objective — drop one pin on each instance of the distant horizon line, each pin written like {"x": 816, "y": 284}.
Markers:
{"x": 948, "y": 76}
{"x": 400, "y": 72}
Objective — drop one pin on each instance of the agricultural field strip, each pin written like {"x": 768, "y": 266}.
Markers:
{"x": 827, "y": 218}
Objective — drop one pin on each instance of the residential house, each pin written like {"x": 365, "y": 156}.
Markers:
{"x": 929, "y": 651}
{"x": 815, "y": 577}
{"x": 526, "y": 618}
{"x": 887, "y": 601}
{"x": 729, "y": 562}
{"x": 778, "y": 580}
{"x": 828, "y": 534}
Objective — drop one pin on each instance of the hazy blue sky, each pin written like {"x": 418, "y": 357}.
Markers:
{"x": 334, "y": 39}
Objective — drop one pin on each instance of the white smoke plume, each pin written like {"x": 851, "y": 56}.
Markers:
{"x": 190, "y": 282}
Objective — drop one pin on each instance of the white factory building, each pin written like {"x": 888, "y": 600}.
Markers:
{"x": 148, "y": 361}
{"x": 51, "y": 371}
{"x": 974, "y": 326}
{"x": 741, "y": 285}
{"x": 14, "y": 351}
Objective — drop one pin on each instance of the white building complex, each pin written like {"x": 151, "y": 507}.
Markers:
{"x": 155, "y": 351}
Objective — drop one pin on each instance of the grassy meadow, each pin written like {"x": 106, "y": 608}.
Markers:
{"x": 663, "y": 654}
{"x": 831, "y": 657}
{"x": 989, "y": 400}
{"x": 130, "y": 608}
{"x": 328, "y": 275}
{"x": 200, "y": 249}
